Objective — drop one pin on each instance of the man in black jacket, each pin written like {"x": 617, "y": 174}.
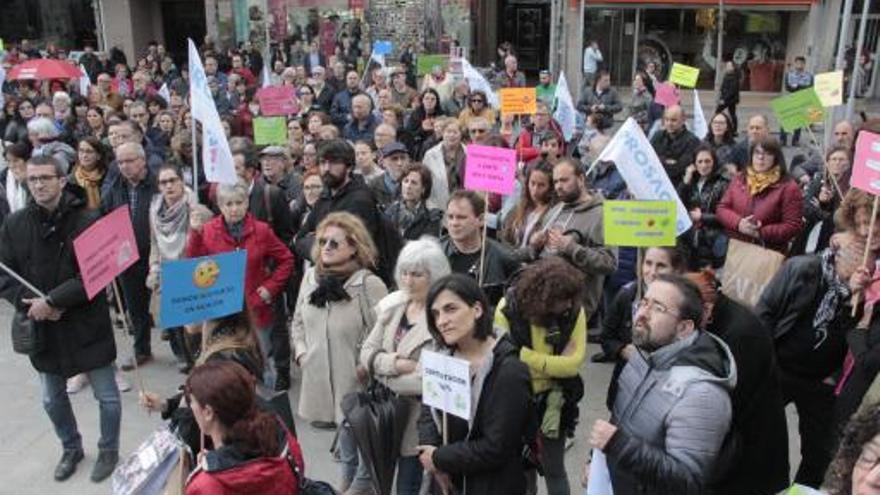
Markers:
{"x": 135, "y": 187}
{"x": 37, "y": 243}
{"x": 276, "y": 167}
{"x": 675, "y": 145}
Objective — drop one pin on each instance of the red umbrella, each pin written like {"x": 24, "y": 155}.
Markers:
{"x": 44, "y": 68}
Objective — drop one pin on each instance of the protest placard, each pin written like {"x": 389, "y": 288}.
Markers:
{"x": 426, "y": 62}
{"x": 105, "y": 249}
{"x": 446, "y": 384}
{"x": 667, "y": 94}
{"x": 270, "y": 130}
{"x": 599, "y": 481}
{"x": 198, "y": 289}
{"x": 866, "y": 163}
{"x": 382, "y": 47}
{"x": 798, "y": 109}
{"x": 490, "y": 169}
{"x": 278, "y": 100}
{"x": 639, "y": 223}
{"x": 518, "y": 101}
{"x": 829, "y": 88}
{"x": 684, "y": 75}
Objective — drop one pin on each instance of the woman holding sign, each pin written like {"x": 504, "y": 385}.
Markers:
{"x": 485, "y": 453}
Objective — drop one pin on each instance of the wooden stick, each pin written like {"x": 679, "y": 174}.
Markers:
{"x": 827, "y": 172}
{"x": 867, "y": 250}
{"x": 483, "y": 240}
{"x": 127, "y": 327}
{"x": 638, "y": 274}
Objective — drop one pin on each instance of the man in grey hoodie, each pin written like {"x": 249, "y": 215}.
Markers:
{"x": 672, "y": 411}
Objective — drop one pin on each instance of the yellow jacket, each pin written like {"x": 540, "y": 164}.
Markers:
{"x": 543, "y": 365}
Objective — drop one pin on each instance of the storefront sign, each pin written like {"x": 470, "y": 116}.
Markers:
{"x": 446, "y": 384}
{"x": 684, "y": 75}
{"x": 667, "y": 94}
{"x": 425, "y": 63}
{"x": 105, "y": 250}
{"x": 270, "y": 130}
{"x": 199, "y": 289}
{"x": 829, "y": 88}
{"x": 518, "y": 101}
{"x": 866, "y": 163}
{"x": 278, "y": 100}
{"x": 798, "y": 109}
{"x": 490, "y": 169}
{"x": 639, "y": 223}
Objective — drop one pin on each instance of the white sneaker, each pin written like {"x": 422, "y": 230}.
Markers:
{"x": 122, "y": 383}
{"x": 77, "y": 383}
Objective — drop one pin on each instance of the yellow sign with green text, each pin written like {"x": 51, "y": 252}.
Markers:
{"x": 639, "y": 223}
{"x": 684, "y": 75}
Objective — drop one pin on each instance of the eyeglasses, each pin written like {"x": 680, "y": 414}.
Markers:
{"x": 333, "y": 244}
{"x": 41, "y": 179}
{"x": 655, "y": 307}
{"x": 478, "y": 131}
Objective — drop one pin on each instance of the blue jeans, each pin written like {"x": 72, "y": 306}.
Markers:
{"x": 409, "y": 475}
{"x": 264, "y": 337}
{"x": 57, "y": 406}
{"x": 354, "y": 469}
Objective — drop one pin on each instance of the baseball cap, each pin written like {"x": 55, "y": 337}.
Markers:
{"x": 392, "y": 148}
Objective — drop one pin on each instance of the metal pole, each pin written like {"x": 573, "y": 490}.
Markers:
{"x": 844, "y": 34}
{"x": 580, "y": 65}
{"x": 719, "y": 62}
{"x": 853, "y": 79}
{"x": 553, "y": 52}
{"x": 635, "y": 63}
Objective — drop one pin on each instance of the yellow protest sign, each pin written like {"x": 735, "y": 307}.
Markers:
{"x": 639, "y": 223}
{"x": 829, "y": 88}
{"x": 518, "y": 101}
{"x": 684, "y": 75}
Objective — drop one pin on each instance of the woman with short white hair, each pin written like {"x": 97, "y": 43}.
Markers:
{"x": 391, "y": 352}
{"x": 43, "y": 135}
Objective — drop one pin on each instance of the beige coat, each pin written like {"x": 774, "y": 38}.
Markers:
{"x": 380, "y": 342}
{"x": 327, "y": 340}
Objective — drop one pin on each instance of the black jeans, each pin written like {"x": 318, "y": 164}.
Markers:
{"x": 137, "y": 302}
{"x": 814, "y": 401}
{"x": 280, "y": 336}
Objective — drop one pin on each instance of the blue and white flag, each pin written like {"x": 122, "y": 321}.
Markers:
{"x": 267, "y": 76}
{"x": 165, "y": 93}
{"x": 216, "y": 155}
{"x": 84, "y": 82}
{"x": 565, "y": 112}
{"x": 476, "y": 81}
{"x": 701, "y": 127}
{"x": 642, "y": 171}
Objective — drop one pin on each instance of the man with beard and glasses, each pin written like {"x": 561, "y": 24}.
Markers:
{"x": 672, "y": 410}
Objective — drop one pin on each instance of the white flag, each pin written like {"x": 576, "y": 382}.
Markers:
{"x": 84, "y": 82}
{"x": 639, "y": 166}
{"x": 380, "y": 59}
{"x": 476, "y": 81}
{"x": 267, "y": 77}
{"x": 701, "y": 127}
{"x": 164, "y": 93}
{"x": 216, "y": 155}
{"x": 565, "y": 112}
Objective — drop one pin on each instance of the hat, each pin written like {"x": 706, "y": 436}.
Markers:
{"x": 392, "y": 148}
{"x": 544, "y": 72}
{"x": 274, "y": 151}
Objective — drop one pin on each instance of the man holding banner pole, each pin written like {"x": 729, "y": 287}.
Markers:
{"x": 77, "y": 336}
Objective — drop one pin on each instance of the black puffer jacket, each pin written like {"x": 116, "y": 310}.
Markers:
{"x": 39, "y": 246}
{"x": 706, "y": 238}
{"x": 426, "y": 221}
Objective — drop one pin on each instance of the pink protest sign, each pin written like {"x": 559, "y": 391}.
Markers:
{"x": 278, "y": 100}
{"x": 866, "y": 164}
{"x": 491, "y": 169}
{"x": 666, "y": 94}
{"x": 105, "y": 249}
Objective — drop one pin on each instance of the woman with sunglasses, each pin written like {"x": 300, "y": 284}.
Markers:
{"x": 478, "y": 106}
{"x": 334, "y": 314}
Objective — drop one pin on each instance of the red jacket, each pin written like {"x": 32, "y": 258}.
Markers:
{"x": 526, "y": 147}
{"x": 779, "y": 209}
{"x": 249, "y": 79}
{"x": 225, "y": 471}
{"x": 262, "y": 246}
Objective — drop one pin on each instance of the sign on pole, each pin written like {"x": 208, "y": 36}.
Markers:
{"x": 798, "y": 109}
{"x": 866, "y": 163}
{"x": 684, "y": 75}
{"x": 199, "y": 289}
{"x": 278, "y": 100}
{"x": 667, "y": 94}
{"x": 829, "y": 88}
{"x": 105, "y": 250}
{"x": 270, "y": 130}
{"x": 446, "y": 384}
{"x": 639, "y": 223}
{"x": 518, "y": 101}
{"x": 490, "y": 169}
{"x": 425, "y": 63}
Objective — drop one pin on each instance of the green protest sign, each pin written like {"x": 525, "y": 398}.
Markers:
{"x": 270, "y": 130}
{"x": 684, "y": 75}
{"x": 798, "y": 109}
{"x": 639, "y": 223}
{"x": 424, "y": 63}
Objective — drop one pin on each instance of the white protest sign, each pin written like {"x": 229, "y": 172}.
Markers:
{"x": 446, "y": 384}
{"x": 600, "y": 478}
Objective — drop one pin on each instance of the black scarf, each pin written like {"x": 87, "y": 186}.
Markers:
{"x": 331, "y": 288}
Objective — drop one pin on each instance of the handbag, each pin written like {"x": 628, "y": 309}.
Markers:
{"x": 27, "y": 336}
{"x": 747, "y": 270}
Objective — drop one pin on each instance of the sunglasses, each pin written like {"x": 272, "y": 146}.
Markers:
{"x": 477, "y": 101}
{"x": 333, "y": 244}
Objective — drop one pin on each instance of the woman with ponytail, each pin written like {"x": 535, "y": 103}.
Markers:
{"x": 250, "y": 450}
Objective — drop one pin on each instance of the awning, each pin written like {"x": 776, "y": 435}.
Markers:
{"x": 705, "y": 3}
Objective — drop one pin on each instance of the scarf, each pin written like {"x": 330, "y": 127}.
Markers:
{"x": 171, "y": 225}
{"x": 90, "y": 180}
{"x": 758, "y": 181}
{"x": 407, "y": 217}
{"x": 16, "y": 195}
{"x": 837, "y": 292}
{"x": 236, "y": 230}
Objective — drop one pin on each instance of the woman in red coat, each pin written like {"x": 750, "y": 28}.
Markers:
{"x": 763, "y": 205}
{"x": 252, "y": 451}
{"x": 269, "y": 262}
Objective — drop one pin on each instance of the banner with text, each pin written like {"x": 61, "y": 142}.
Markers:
{"x": 639, "y": 223}
{"x": 198, "y": 289}
{"x": 446, "y": 384}
{"x": 105, "y": 250}
{"x": 491, "y": 169}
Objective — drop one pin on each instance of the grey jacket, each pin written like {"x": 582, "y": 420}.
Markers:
{"x": 672, "y": 412}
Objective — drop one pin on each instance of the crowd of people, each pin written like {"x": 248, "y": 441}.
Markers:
{"x": 364, "y": 249}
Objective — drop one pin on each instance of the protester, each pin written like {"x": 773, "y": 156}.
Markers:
{"x": 37, "y": 243}
{"x": 511, "y": 76}
{"x": 536, "y": 199}
{"x": 277, "y": 171}
{"x": 386, "y": 188}
{"x": 542, "y": 311}
{"x": 642, "y": 98}
{"x": 410, "y": 214}
{"x": 721, "y": 137}
{"x": 528, "y": 145}
{"x": 477, "y": 106}
{"x": 854, "y": 469}
{"x": 601, "y": 101}
{"x": 592, "y": 59}
{"x": 421, "y": 121}
{"x": 392, "y": 349}
{"x": 446, "y": 162}
{"x": 365, "y": 160}
{"x": 483, "y": 454}
{"x": 728, "y": 96}
{"x": 675, "y": 144}
{"x": 14, "y": 193}
{"x": 822, "y": 198}
{"x": 758, "y": 130}
{"x": 795, "y": 80}
{"x": 334, "y": 313}
{"x": 701, "y": 190}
